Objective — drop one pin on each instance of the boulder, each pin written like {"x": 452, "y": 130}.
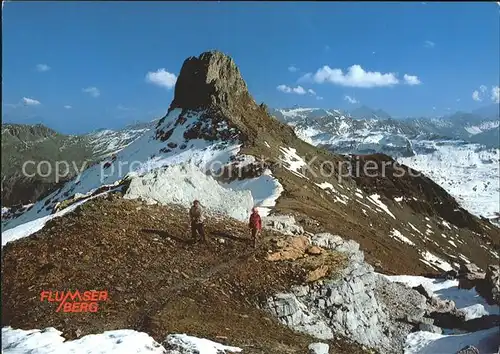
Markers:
{"x": 493, "y": 279}
{"x": 424, "y": 291}
{"x": 469, "y": 275}
{"x": 319, "y": 348}
{"x": 430, "y": 328}
{"x": 437, "y": 305}
{"x": 314, "y": 250}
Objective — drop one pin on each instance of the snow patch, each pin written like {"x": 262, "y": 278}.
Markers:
{"x": 432, "y": 343}
{"x": 429, "y": 258}
{"x": 375, "y": 199}
{"x": 325, "y": 185}
{"x": 123, "y": 341}
{"x": 399, "y": 236}
{"x": 415, "y": 229}
{"x": 200, "y": 345}
{"x": 293, "y": 162}
{"x": 181, "y": 184}
{"x": 50, "y": 341}
{"x": 265, "y": 190}
{"x": 29, "y": 228}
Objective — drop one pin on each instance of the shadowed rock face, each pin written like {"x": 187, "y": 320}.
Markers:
{"x": 210, "y": 79}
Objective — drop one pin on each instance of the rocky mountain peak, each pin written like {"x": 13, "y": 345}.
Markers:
{"x": 210, "y": 79}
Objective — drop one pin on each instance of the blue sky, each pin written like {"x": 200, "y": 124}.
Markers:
{"x": 79, "y": 66}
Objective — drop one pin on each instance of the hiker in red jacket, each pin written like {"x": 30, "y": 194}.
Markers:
{"x": 255, "y": 224}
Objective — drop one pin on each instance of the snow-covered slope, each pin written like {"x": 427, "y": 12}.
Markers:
{"x": 469, "y": 172}
{"x": 123, "y": 341}
{"x": 107, "y": 142}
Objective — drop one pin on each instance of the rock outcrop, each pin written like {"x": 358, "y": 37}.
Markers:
{"x": 210, "y": 79}
{"x": 357, "y": 303}
{"x": 468, "y": 275}
{"x": 283, "y": 223}
{"x": 318, "y": 348}
{"x": 487, "y": 283}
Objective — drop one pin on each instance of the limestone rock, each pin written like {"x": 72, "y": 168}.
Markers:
{"x": 430, "y": 328}
{"x": 469, "y": 274}
{"x": 283, "y": 223}
{"x": 355, "y": 302}
{"x": 424, "y": 291}
{"x": 318, "y": 348}
{"x": 210, "y": 79}
{"x": 441, "y": 306}
{"x": 318, "y": 273}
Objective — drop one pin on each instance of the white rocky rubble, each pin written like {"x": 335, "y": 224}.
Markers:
{"x": 357, "y": 304}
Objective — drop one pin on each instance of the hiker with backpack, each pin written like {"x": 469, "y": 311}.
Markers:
{"x": 255, "y": 225}
{"x": 197, "y": 218}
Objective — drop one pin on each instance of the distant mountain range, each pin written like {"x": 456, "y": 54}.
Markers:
{"x": 480, "y": 126}
{"x": 460, "y": 151}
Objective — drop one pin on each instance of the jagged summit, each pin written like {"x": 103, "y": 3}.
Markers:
{"x": 210, "y": 79}
{"x": 211, "y": 88}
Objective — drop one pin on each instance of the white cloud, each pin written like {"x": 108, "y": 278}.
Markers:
{"x": 299, "y": 90}
{"x": 162, "y": 78}
{"x": 495, "y": 92}
{"x": 42, "y": 67}
{"x": 319, "y": 98}
{"x": 458, "y": 99}
{"x": 483, "y": 88}
{"x": 293, "y": 69}
{"x": 412, "y": 80}
{"x": 287, "y": 89}
{"x": 350, "y": 99}
{"x": 429, "y": 44}
{"x": 30, "y": 101}
{"x": 68, "y": 106}
{"x": 356, "y": 76}
{"x": 92, "y": 91}
{"x": 476, "y": 97}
